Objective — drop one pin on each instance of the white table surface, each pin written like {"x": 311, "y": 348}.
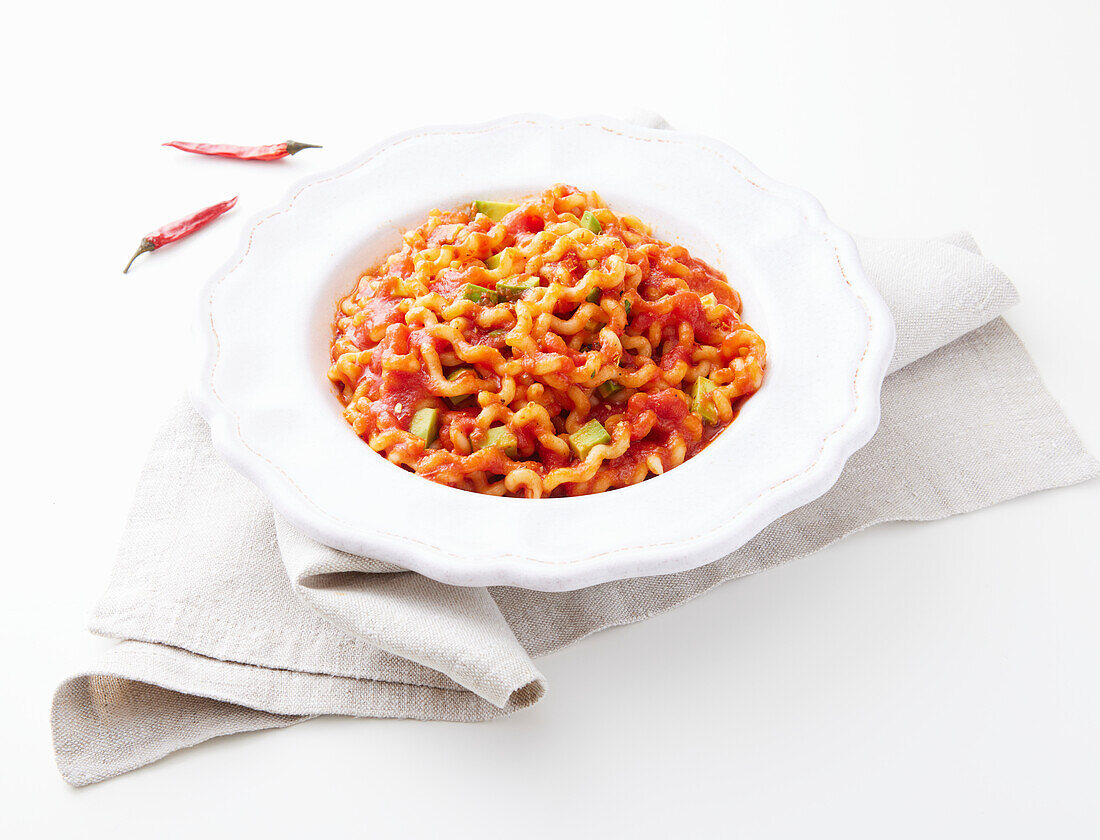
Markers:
{"x": 914, "y": 680}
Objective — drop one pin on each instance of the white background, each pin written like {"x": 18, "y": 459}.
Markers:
{"x": 916, "y": 680}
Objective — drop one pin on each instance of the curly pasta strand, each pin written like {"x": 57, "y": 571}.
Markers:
{"x": 517, "y": 334}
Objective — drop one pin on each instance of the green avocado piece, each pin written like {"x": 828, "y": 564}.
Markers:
{"x": 701, "y": 402}
{"x": 456, "y": 374}
{"x": 591, "y": 222}
{"x": 513, "y": 288}
{"x": 587, "y": 436}
{"x": 606, "y": 389}
{"x": 479, "y": 294}
{"x": 495, "y": 210}
{"x": 425, "y": 424}
{"x": 502, "y": 437}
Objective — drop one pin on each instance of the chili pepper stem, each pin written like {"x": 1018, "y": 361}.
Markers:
{"x": 293, "y": 147}
{"x": 144, "y": 247}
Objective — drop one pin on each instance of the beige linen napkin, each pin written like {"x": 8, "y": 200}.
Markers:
{"x": 231, "y": 621}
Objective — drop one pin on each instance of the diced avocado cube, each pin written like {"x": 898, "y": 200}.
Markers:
{"x": 587, "y": 436}
{"x": 425, "y": 425}
{"x": 709, "y": 300}
{"x": 606, "y": 389}
{"x": 501, "y": 437}
{"x": 593, "y": 263}
{"x": 514, "y": 287}
{"x": 493, "y": 262}
{"x": 701, "y": 402}
{"x": 591, "y": 222}
{"x": 479, "y": 294}
{"x": 593, "y": 326}
{"x": 593, "y": 296}
{"x": 495, "y": 210}
{"x": 406, "y": 288}
{"x": 455, "y": 375}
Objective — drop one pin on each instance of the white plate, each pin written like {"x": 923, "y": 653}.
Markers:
{"x": 266, "y": 329}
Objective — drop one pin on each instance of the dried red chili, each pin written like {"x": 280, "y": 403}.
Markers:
{"x": 180, "y": 228}
{"x": 273, "y": 152}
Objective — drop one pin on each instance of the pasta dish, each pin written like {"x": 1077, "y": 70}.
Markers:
{"x": 546, "y": 348}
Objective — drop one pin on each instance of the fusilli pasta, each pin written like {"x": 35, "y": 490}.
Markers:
{"x": 542, "y": 349}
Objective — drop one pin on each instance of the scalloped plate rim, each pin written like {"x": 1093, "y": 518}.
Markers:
{"x": 510, "y": 570}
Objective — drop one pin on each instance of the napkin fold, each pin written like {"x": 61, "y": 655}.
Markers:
{"x": 230, "y": 620}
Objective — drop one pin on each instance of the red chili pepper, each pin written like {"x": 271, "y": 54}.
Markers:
{"x": 272, "y": 152}
{"x": 180, "y": 228}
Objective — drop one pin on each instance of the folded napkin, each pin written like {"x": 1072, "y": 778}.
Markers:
{"x": 230, "y": 620}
